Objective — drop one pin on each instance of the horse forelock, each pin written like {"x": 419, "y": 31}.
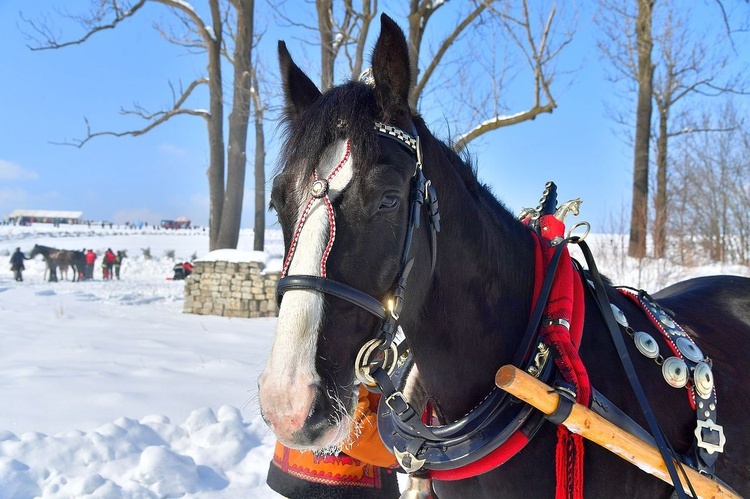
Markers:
{"x": 344, "y": 112}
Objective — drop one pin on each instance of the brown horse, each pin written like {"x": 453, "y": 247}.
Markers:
{"x": 59, "y": 259}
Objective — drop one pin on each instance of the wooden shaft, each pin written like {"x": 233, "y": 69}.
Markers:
{"x": 591, "y": 426}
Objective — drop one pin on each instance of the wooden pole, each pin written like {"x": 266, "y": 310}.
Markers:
{"x": 591, "y": 426}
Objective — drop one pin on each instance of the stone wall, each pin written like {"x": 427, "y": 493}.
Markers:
{"x": 231, "y": 289}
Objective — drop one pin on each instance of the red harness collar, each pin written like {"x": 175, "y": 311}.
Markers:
{"x": 565, "y": 305}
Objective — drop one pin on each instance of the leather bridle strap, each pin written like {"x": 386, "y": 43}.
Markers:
{"x": 605, "y": 308}
{"x": 331, "y": 287}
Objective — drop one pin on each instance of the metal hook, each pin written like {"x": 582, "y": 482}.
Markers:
{"x": 578, "y": 239}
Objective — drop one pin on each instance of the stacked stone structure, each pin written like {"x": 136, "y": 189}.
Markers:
{"x": 231, "y": 289}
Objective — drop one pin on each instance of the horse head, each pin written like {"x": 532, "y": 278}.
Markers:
{"x": 359, "y": 217}
{"x": 38, "y": 250}
{"x": 342, "y": 198}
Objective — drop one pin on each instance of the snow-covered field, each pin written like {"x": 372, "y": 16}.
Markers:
{"x": 109, "y": 390}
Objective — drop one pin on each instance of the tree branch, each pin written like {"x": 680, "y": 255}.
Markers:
{"x": 445, "y": 45}
{"x": 51, "y": 40}
{"x": 156, "y": 118}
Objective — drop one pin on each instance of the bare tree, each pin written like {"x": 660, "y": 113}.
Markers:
{"x": 530, "y": 35}
{"x": 644, "y": 107}
{"x": 343, "y": 27}
{"x": 686, "y": 69}
{"x": 226, "y": 176}
{"x": 628, "y": 45}
{"x": 713, "y": 190}
{"x": 341, "y": 33}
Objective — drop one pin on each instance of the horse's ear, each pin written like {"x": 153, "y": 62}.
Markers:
{"x": 299, "y": 90}
{"x": 390, "y": 69}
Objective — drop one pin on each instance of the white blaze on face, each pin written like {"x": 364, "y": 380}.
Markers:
{"x": 291, "y": 364}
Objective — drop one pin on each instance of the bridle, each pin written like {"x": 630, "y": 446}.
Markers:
{"x": 422, "y": 195}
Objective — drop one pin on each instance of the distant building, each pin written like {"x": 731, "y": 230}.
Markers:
{"x": 26, "y": 217}
{"x": 178, "y": 223}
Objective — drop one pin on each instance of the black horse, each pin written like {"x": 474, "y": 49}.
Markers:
{"x": 359, "y": 218}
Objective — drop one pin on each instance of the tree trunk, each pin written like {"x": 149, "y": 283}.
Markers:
{"x": 325, "y": 29}
{"x": 418, "y": 16}
{"x": 260, "y": 173}
{"x": 660, "y": 205}
{"x": 639, "y": 212}
{"x": 215, "y": 130}
{"x": 231, "y": 218}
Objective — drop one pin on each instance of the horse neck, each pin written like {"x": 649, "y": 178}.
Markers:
{"x": 479, "y": 303}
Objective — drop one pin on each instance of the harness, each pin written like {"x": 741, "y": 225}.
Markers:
{"x": 500, "y": 425}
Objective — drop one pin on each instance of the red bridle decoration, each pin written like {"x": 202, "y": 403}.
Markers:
{"x": 319, "y": 191}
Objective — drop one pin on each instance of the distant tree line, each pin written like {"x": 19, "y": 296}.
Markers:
{"x": 671, "y": 62}
{"x": 665, "y": 67}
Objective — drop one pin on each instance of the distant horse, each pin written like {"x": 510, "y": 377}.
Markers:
{"x": 74, "y": 259}
{"x": 360, "y": 216}
{"x": 60, "y": 259}
{"x": 48, "y": 254}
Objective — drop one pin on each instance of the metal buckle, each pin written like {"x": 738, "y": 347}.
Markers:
{"x": 393, "y": 396}
{"x": 709, "y": 425}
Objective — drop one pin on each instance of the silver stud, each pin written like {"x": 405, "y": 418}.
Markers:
{"x": 675, "y": 372}
{"x": 703, "y": 378}
{"x": 664, "y": 319}
{"x": 646, "y": 344}
{"x": 689, "y": 349}
{"x": 619, "y": 316}
{"x": 319, "y": 188}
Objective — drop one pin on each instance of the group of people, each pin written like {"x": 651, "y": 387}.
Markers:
{"x": 111, "y": 263}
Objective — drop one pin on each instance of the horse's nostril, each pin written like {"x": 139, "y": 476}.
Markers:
{"x": 317, "y": 421}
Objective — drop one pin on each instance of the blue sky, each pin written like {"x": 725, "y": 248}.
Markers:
{"x": 46, "y": 95}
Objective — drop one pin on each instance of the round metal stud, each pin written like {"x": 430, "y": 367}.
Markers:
{"x": 646, "y": 344}
{"x": 675, "y": 372}
{"x": 319, "y": 188}
{"x": 689, "y": 349}
{"x": 703, "y": 378}
{"x": 619, "y": 316}
{"x": 666, "y": 320}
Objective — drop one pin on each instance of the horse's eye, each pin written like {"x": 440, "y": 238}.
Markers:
{"x": 390, "y": 201}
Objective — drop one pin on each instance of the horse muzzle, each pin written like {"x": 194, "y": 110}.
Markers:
{"x": 303, "y": 418}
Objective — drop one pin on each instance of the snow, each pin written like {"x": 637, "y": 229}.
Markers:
{"x": 110, "y": 391}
